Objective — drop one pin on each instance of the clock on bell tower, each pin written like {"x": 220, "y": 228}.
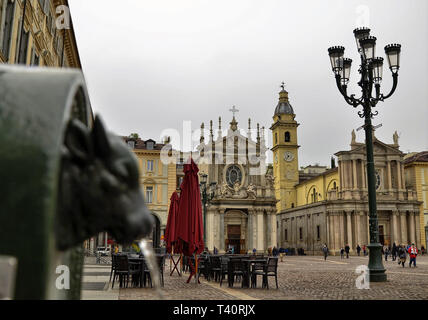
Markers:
{"x": 285, "y": 153}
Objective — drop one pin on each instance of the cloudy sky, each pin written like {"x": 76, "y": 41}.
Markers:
{"x": 150, "y": 65}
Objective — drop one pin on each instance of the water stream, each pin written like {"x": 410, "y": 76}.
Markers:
{"x": 152, "y": 264}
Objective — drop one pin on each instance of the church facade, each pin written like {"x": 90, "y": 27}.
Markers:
{"x": 242, "y": 212}
{"x": 332, "y": 206}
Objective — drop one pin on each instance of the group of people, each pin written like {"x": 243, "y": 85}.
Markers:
{"x": 399, "y": 251}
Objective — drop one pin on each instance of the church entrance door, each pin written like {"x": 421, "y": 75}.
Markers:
{"x": 234, "y": 238}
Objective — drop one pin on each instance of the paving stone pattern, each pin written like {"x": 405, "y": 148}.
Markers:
{"x": 303, "y": 278}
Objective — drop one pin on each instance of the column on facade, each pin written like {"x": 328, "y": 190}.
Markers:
{"x": 210, "y": 230}
{"x": 403, "y": 180}
{"x": 342, "y": 182}
{"x": 260, "y": 231}
{"x": 268, "y": 229}
{"x": 412, "y": 227}
{"x": 388, "y": 175}
{"x": 363, "y": 177}
{"x": 250, "y": 231}
{"x": 354, "y": 171}
{"x": 328, "y": 230}
{"x": 395, "y": 237}
{"x": 360, "y": 228}
{"x": 349, "y": 228}
{"x": 336, "y": 232}
{"x": 221, "y": 231}
{"x": 398, "y": 175}
{"x": 403, "y": 218}
{"x": 418, "y": 231}
{"x": 357, "y": 229}
{"x": 274, "y": 236}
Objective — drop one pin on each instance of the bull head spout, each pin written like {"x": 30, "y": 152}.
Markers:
{"x": 99, "y": 188}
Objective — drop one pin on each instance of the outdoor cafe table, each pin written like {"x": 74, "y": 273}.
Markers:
{"x": 248, "y": 263}
{"x": 141, "y": 261}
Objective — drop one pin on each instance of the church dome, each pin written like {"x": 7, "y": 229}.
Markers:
{"x": 284, "y": 106}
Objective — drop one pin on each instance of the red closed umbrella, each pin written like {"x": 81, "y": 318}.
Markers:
{"x": 171, "y": 225}
{"x": 190, "y": 230}
{"x": 171, "y": 231}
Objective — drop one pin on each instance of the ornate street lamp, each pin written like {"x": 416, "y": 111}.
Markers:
{"x": 207, "y": 196}
{"x": 371, "y": 70}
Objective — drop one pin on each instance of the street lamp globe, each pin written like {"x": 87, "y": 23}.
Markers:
{"x": 346, "y": 71}
{"x": 336, "y": 58}
{"x": 368, "y": 47}
{"x": 377, "y": 65}
{"x": 359, "y": 34}
{"x": 393, "y": 54}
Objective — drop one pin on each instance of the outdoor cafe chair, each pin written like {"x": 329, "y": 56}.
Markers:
{"x": 236, "y": 270}
{"x": 258, "y": 268}
{"x": 215, "y": 267}
{"x": 124, "y": 269}
{"x": 271, "y": 270}
{"x": 204, "y": 266}
{"x": 224, "y": 268}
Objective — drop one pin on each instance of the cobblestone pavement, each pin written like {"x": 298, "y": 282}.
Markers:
{"x": 303, "y": 278}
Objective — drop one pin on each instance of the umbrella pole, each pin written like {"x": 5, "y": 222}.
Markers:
{"x": 196, "y": 269}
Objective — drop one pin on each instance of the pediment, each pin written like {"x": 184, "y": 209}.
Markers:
{"x": 379, "y": 147}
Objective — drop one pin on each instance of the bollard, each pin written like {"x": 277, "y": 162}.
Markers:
{"x": 64, "y": 179}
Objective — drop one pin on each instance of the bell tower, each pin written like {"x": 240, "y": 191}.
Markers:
{"x": 285, "y": 153}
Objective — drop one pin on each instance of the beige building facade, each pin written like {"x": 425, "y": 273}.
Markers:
{"x": 242, "y": 213}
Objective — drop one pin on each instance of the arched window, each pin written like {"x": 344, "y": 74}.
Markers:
{"x": 314, "y": 195}
{"x": 287, "y": 136}
{"x": 334, "y": 185}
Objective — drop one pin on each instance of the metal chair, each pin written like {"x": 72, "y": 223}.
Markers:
{"x": 124, "y": 268}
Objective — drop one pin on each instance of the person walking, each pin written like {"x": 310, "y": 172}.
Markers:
{"x": 364, "y": 250}
{"x": 386, "y": 252}
{"x": 347, "y": 251}
{"x": 342, "y": 253}
{"x": 254, "y": 251}
{"x": 394, "y": 252}
{"x": 423, "y": 250}
{"x": 281, "y": 253}
{"x": 325, "y": 251}
{"x": 413, "y": 253}
{"x": 358, "y": 249}
{"x": 402, "y": 255}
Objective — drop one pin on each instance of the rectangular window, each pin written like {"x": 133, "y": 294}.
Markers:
{"x": 7, "y": 28}
{"x": 149, "y": 194}
{"x": 150, "y": 165}
{"x": 23, "y": 49}
{"x": 318, "y": 232}
{"x": 301, "y": 233}
{"x": 286, "y": 234}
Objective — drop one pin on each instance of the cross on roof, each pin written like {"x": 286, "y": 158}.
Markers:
{"x": 283, "y": 85}
{"x": 234, "y": 110}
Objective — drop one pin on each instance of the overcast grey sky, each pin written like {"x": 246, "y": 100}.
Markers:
{"x": 150, "y": 65}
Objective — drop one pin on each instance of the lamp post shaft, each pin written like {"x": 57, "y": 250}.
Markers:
{"x": 376, "y": 268}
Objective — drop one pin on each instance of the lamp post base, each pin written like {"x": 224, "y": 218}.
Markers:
{"x": 376, "y": 268}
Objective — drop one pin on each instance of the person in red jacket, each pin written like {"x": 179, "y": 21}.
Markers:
{"x": 413, "y": 252}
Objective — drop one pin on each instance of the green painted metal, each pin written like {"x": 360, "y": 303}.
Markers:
{"x": 35, "y": 105}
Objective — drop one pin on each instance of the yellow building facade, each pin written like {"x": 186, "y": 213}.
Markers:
{"x": 319, "y": 205}
{"x": 29, "y": 34}
{"x": 416, "y": 173}
{"x": 158, "y": 181}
